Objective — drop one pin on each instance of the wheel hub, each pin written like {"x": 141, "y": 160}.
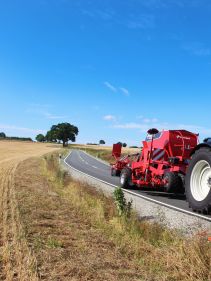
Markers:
{"x": 122, "y": 179}
{"x": 209, "y": 182}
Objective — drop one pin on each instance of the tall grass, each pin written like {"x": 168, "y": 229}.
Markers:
{"x": 161, "y": 253}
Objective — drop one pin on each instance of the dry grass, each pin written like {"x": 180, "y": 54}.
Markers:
{"x": 16, "y": 260}
{"x": 66, "y": 245}
{"x": 156, "y": 252}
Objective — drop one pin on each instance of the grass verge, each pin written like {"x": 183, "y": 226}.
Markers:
{"x": 154, "y": 251}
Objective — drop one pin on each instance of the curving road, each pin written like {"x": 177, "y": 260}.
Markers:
{"x": 93, "y": 167}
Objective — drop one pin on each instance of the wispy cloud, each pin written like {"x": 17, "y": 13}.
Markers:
{"x": 134, "y": 21}
{"x": 115, "y": 89}
{"x": 147, "y": 123}
{"x": 52, "y": 116}
{"x": 110, "y": 87}
{"x": 159, "y": 4}
{"x": 109, "y": 118}
{"x": 13, "y": 128}
{"x": 197, "y": 49}
{"x": 124, "y": 91}
{"x": 141, "y": 22}
{"x": 106, "y": 14}
{"x": 150, "y": 121}
{"x": 44, "y": 111}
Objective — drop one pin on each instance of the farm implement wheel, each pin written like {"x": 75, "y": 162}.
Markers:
{"x": 174, "y": 183}
{"x": 126, "y": 178}
{"x": 115, "y": 173}
{"x": 198, "y": 181}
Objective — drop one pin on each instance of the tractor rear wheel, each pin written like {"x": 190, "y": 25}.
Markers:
{"x": 126, "y": 178}
{"x": 174, "y": 183}
{"x": 198, "y": 181}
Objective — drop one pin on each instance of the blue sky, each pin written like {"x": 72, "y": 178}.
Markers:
{"x": 114, "y": 68}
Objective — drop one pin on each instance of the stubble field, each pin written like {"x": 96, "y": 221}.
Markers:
{"x": 15, "y": 255}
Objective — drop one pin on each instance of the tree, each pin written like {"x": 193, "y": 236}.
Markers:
{"x": 124, "y": 144}
{"x": 51, "y": 136}
{"x": 2, "y": 135}
{"x": 64, "y": 132}
{"x": 40, "y": 138}
{"x": 101, "y": 142}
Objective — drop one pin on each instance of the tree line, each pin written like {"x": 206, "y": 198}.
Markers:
{"x": 4, "y": 137}
{"x": 62, "y": 132}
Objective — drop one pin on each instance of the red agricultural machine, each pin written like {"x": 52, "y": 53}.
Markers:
{"x": 172, "y": 160}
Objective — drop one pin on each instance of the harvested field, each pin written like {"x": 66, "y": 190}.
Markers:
{"x": 43, "y": 236}
{"x": 16, "y": 260}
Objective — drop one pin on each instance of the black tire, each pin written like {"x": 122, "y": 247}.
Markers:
{"x": 174, "y": 183}
{"x": 113, "y": 172}
{"x": 199, "y": 199}
{"x": 118, "y": 172}
{"x": 126, "y": 178}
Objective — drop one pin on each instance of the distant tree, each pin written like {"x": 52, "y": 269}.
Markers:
{"x": 40, "y": 138}
{"x": 124, "y": 144}
{"x": 101, "y": 142}
{"x": 2, "y": 135}
{"x": 64, "y": 132}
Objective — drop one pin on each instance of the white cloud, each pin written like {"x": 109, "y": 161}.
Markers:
{"x": 148, "y": 120}
{"x": 165, "y": 4}
{"x": 43, "y": 110}
{"x": 131, "y": 126}
{"x": 124, "y": 91}
{"x": 109, "y": 118}
{"x": 52, "y": 116}
{"x": 142, "y": 22}
{"x": 146, "y": 124}
{"x": 105, "y": 15}
{"x": 197, "y": 49}
{"x": 23, "y": 130}
{"x": 114, "y": 89}
{"x": 110, "y": 87}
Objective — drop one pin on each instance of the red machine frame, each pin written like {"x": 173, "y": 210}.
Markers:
{"x": 163, "y": 152}
{"x": 121, "y": 161}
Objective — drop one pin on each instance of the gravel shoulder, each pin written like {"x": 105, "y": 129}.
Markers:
{"x": 187, "y": 224}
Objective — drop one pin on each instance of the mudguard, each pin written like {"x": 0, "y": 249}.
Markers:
{"x": 206, "y": 143}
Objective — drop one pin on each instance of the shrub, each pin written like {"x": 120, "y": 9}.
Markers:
{"x": 123, "y": 207}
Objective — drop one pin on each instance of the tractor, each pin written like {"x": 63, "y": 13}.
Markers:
{"x": 171, "y": 160}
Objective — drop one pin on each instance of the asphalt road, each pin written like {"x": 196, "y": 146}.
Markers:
{"x": 81, "y": 161}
